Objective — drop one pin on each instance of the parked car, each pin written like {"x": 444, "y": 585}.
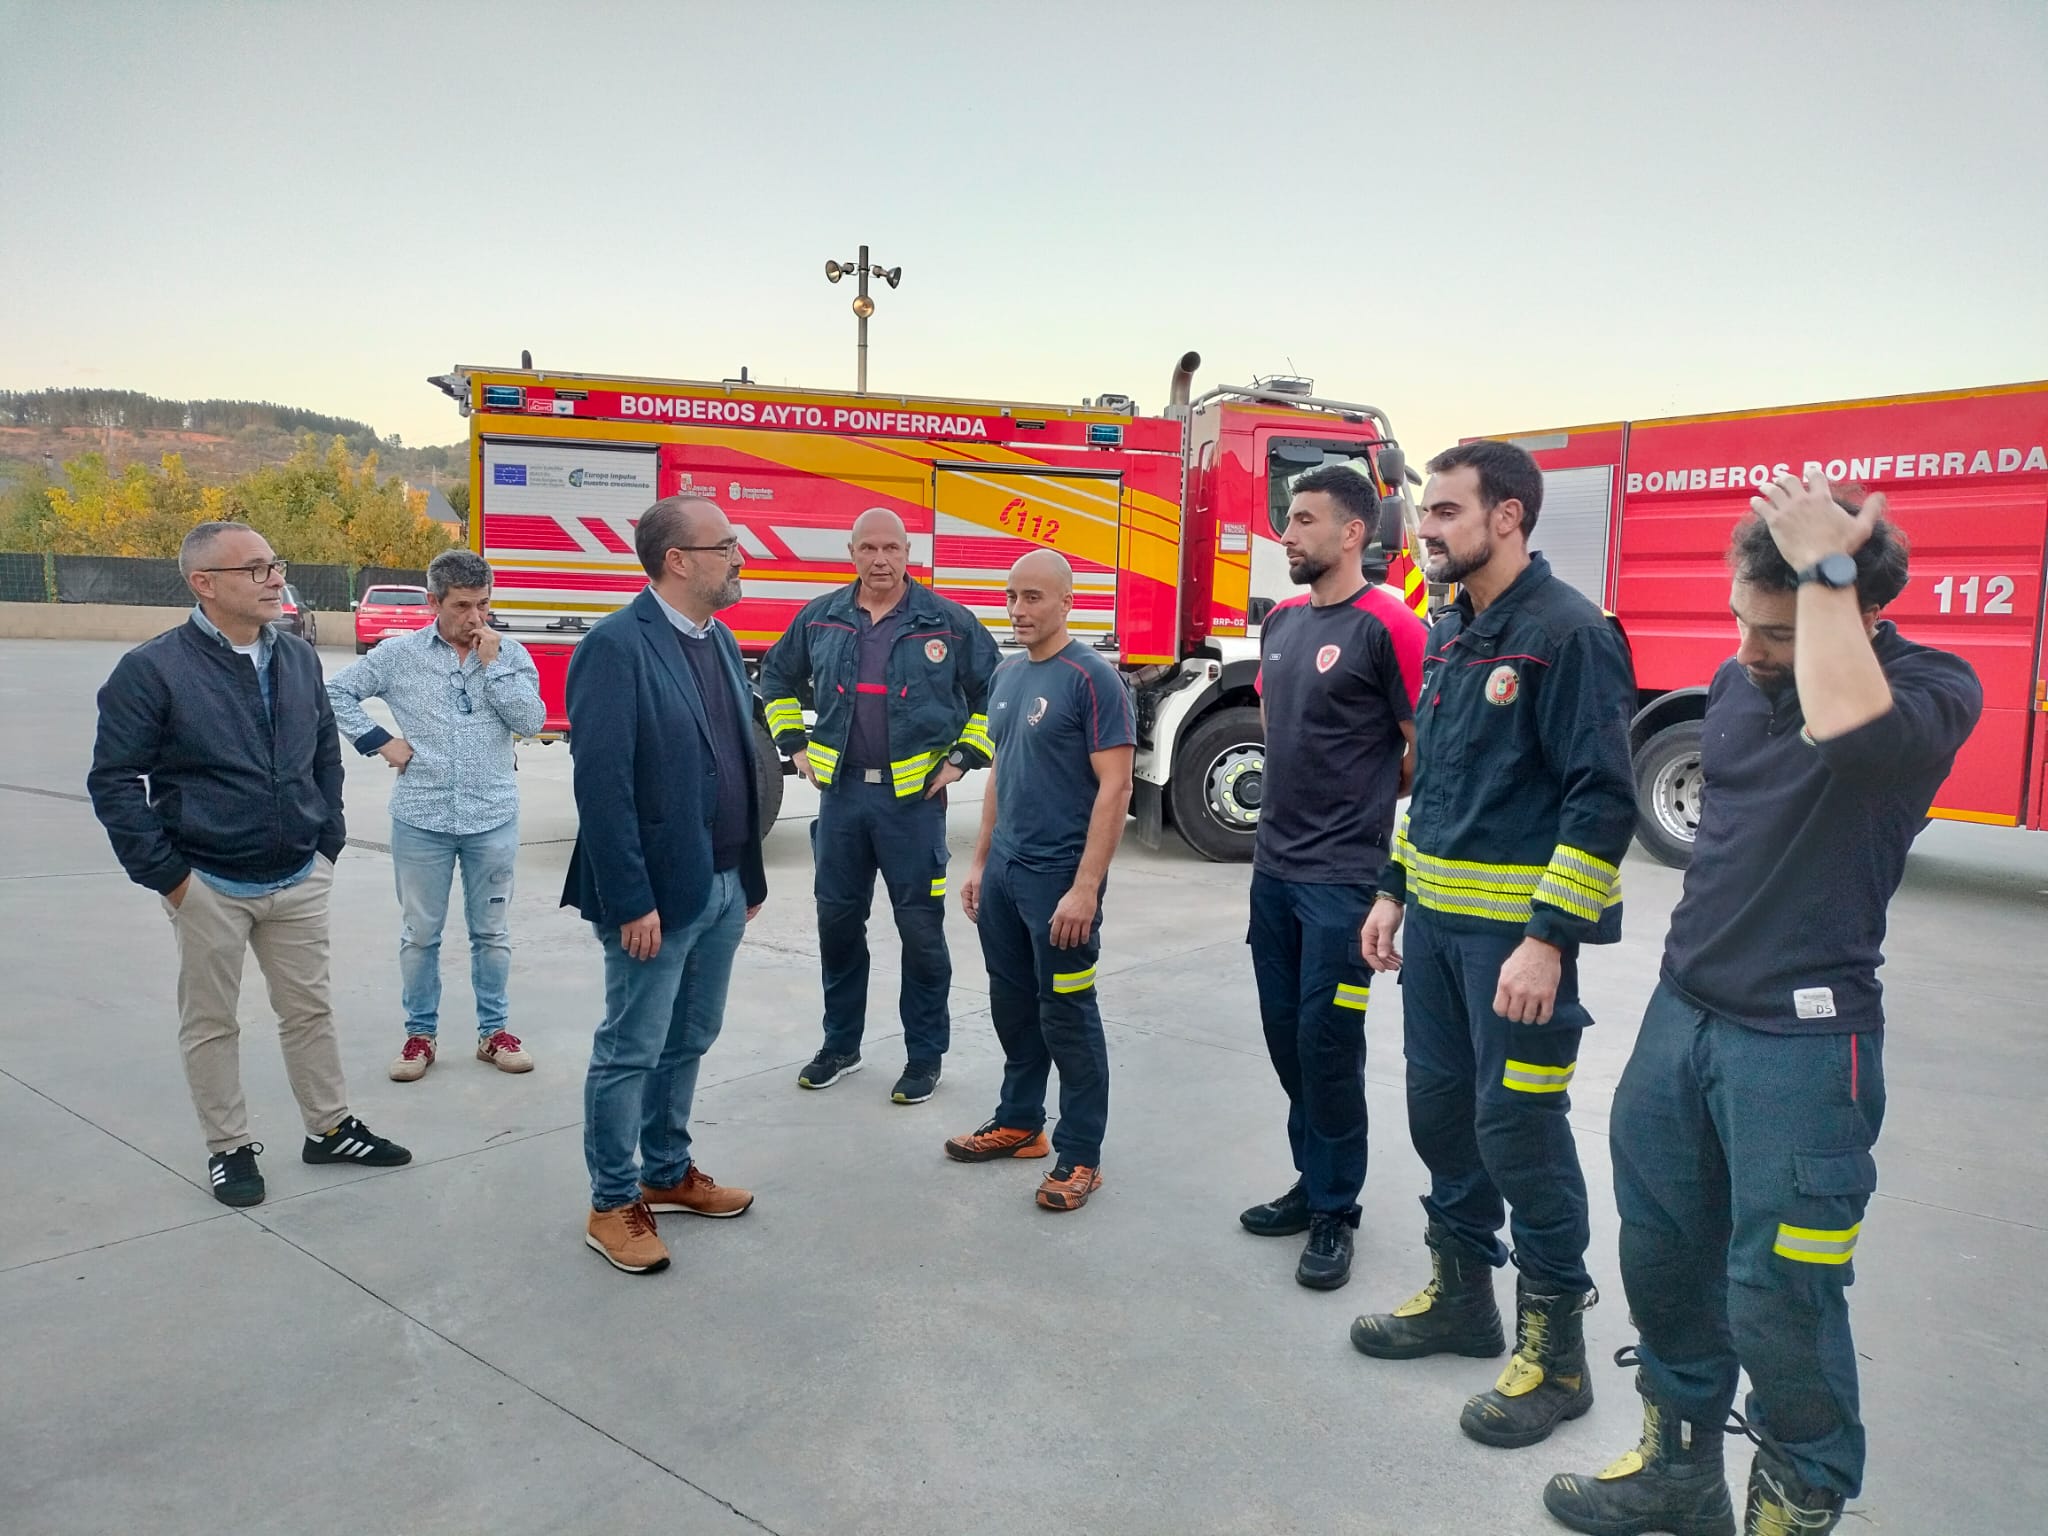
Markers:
{"x": 386, "y": 611}
{"x": 298, "y": 617}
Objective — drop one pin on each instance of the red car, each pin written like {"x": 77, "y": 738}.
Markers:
{"x": 387, "y": 611}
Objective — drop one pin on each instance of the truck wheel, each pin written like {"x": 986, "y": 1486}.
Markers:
{"x": 1669, "y": 789}
{"x": 1219, "y": 779}
{"x": 767, "y": 776}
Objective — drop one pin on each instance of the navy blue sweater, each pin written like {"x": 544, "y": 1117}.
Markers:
{"x": 188, "y": 769}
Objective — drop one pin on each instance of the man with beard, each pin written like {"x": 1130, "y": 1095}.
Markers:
{"x": 1339, "y": 670}
{"x": 666, "y": 868}
{"x": 1506, "y": 863}
{"x": 1743, "y": 1125}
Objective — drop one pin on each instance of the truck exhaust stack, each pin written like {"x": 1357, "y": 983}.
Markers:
{"x": 1183, "y": 383}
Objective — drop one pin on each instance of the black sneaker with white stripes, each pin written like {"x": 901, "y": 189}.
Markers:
{"x": 236, "y": 1180}
{"x": 354, "y": 1142}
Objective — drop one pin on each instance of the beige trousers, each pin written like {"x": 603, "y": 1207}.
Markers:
{"x": 288, "y": 931}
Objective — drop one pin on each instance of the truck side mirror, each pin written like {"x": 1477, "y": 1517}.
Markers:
{"x": 1393, "y": 532}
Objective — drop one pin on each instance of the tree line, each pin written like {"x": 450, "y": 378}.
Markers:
{"x": 323, "y": 505}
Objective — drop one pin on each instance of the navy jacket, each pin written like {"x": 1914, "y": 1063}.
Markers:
{"x": 188, "y": 770}
{"x": 645, "y": 778}
{"x": 938, "y": 675}
{"x": 1524, "y": 800}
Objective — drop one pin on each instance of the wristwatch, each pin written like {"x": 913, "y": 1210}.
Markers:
{"x": 1836, "y": 571}
{"x": 957, "y": 757}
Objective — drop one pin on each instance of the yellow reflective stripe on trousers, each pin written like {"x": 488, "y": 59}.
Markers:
{"x": 939, "y": 886}
{"x": 1353, "y": 997}
{"x": 1815, "y": 1245}
{"x": 1534, "y": 1077}
{"x": 1073, "y": 981}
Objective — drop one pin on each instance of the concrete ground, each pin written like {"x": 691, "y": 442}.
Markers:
{"x": 888, "y": 1342}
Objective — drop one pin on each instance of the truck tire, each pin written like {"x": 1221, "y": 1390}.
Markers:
{"x": 1219, "y": 777}
{"x": 1669, "y": 785}
{"x": 767, "y": 776}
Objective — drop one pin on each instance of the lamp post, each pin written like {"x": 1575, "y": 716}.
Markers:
{"x": 863, "y": 306}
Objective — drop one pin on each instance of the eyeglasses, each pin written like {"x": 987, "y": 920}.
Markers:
{"x": 724, "y": 547}
{"x": 461, "y": 683}
{"x": 257, "y": 573}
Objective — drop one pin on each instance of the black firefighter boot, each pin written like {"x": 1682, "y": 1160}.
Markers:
{"x": 1546, "y": 1382}
{"x": 1455, "y": 1314}
{"x": 1674, "y": 1481}
{"x": 1780, "y": 1504}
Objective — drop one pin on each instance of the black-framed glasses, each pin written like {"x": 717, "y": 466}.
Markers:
{"x": 259, "y": 573}
{"x": 462, "y": 700}
{"x": 723, "y": 547}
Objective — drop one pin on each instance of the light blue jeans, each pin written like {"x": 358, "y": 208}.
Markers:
{"x": 660, "y": 1017}
{"x": 424, "y": 864}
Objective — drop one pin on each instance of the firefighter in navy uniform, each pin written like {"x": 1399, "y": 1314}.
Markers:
{"x": 899, "y": 676}
{"x": 1506, "y": 863}
{"x": 1743, "y": 1125}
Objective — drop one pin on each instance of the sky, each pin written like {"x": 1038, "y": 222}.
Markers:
{"x": 1480, "y": 217}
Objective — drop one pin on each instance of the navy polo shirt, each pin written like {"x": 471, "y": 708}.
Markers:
{"x": 867, "y": 741}
{"x": 1802, "y": 843}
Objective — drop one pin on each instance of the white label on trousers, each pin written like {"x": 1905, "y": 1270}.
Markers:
{"x": 1814, "y": 1002}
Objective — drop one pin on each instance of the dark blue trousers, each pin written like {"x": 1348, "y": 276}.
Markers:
{"x": 1312, "y": 994}
{"x": 861, "y": 829}
{"x": 1489, "y": 1101}
{"x": 1742, "y": 1168}
{"x": 1043, "y": 1000}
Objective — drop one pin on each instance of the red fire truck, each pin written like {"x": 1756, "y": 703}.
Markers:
{"x": 1637, "y": 516}
{"x": 1171, "y": 523}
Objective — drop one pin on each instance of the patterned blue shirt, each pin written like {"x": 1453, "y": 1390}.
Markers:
{"x": 459, "y": 717}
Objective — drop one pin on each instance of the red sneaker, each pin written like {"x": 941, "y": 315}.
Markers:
{"x": 503, "y": 1051}
{"x": 413, "y": 1061}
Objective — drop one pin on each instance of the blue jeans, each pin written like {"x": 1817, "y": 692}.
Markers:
{"x": 1312, "y": 994}
{"x": 1742, "y": 1168}
{"x": 861, "y": 829}
{"x": 1043, "y": 1002}
{"x": 1489, "y": 1101}
{"x": 424, "y": 865}
{"x": 660, "y": 1017}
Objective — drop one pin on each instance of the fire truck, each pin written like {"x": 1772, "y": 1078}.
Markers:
{"x": 1171, "y": 523}
{"x": 1637, "y": 515}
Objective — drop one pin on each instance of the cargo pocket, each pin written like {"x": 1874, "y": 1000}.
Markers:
{"x": 1834, "y": 1189}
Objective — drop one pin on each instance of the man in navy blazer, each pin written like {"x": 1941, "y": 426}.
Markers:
{"x": 667, "y": 868}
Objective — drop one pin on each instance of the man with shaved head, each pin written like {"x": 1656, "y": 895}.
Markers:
{"x": 1050, "y": 823}
{"x": 899, "y": 679}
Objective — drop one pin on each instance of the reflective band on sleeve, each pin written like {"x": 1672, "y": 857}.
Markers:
{"x": 824, "y": 761}
{"x": 1073, "y": 981}
{"x": 1534, "y": 1077}
{"x": 1812, "y": 1245}
{"x": 1576, "y": 882}
{"x": 783, "y": 715}
{"x": 1353, "y": 997}
{"x": 975, "y": 734}
{"x": 939, "y": 886}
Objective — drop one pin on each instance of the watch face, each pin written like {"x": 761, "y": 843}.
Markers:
{"x": 1838, "y": 571}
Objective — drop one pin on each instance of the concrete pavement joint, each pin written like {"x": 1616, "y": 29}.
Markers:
{"x": 498, "y": 1370}
{"x": 132, "y": 1237}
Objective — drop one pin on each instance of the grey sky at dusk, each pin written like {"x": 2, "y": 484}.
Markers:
{"x": 1479, "y": 217}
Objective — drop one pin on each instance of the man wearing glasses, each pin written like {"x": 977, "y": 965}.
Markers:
{"x": 217, "y": 774}
{"x": 667, "y": 868}
{"x": 460, "y": 694}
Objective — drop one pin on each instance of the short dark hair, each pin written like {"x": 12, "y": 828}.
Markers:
{"x": 1351, "y": 490}
{"x": 1880, "y": 564}
{"x": 663, "y": 527}
{"x": 1506, "y": 472}
{"x": 454, "y": 568}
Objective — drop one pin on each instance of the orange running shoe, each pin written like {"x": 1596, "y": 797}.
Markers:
{"x": 1068, "y": 1189}
{"x": 993, "y": 1141}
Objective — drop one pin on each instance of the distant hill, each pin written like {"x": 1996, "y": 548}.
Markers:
{"x": 219, "y": 439}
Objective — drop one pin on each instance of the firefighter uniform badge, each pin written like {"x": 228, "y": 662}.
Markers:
{"x": 1326, "y": 658}
{"x": 935, "y": 650}
{"x": 1502, "y": 685}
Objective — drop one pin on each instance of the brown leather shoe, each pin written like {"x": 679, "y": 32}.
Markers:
{"x": 699, "y": 1195}
{"x": 1068, "y": 1189}
{"x": 625, "y": 1236}
{"x": 993, "y": 1141}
